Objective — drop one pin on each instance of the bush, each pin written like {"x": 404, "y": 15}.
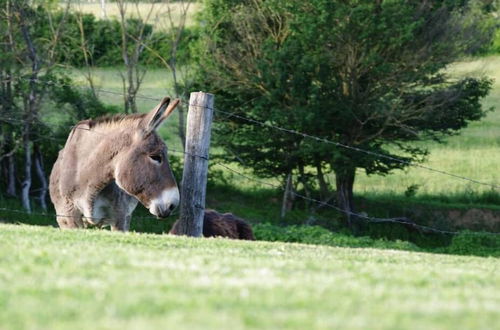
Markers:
{"x": 465, "y": 243}
{"x": 103, "y": 40}
{"x": 161, "y": 44}
{"x": 322, "y": 236}
{"x": 475, "y": 243}
{"x": 495, "y": 47}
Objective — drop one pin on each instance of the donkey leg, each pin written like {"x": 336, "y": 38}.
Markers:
{"x": 122, "y": 223}
{"x": 68, "y": 217}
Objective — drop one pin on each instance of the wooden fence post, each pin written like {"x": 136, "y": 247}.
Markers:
{"x": 194, "y": 176}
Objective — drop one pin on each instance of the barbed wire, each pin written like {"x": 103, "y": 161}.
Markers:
{"x": 368, "y": 152}
{"x": 286, "y": 130}
{"x": 308, "y": 136}
{"x": 402, "y": 221}
{"x": 49, "y": 214}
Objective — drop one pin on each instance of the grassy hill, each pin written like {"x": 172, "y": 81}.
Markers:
{"x": 98, "y": 279}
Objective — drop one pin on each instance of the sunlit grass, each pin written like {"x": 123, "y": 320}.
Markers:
{"x": 56, "y": 279}
{"x": 474, "y": 153}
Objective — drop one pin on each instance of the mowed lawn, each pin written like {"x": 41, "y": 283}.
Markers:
{"x": 53, "y": 279}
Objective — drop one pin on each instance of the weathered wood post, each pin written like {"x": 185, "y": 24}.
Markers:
{"x": 194, "y": 176}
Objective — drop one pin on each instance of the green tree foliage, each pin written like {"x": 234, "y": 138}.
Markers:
{"x": 38, "y": 103}
{"x": 367, "y": 74}
{"x": 102, "y": 38}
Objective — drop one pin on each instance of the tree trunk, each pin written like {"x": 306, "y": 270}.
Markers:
{"x": 180, "y": 108}
{"x": 26, "y": 185}
{"x": 287, "y": 203}
{"x": 30, "y": 107}
{"x": 323, "y": 186}
{"x": 11, "y": 176}
{"x": 303, "y": 180}
{"x": 103, "y": 9}
{"x": 132, "y": 89}
{"x": 344, "y": 179}
{"x": 40, "y": 171}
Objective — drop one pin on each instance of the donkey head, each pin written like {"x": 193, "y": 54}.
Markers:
{"x": 142, "y": 169}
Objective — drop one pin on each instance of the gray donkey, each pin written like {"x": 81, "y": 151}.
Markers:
{"x": 110, "y": 164}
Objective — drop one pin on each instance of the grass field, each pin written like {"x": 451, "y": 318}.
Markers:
{"x": 53, "y": 279}
{"x": 159, "y": 13}
{"x": 473, "y": 153}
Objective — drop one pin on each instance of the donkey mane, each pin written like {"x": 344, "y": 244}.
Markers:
{"x": 115, "y": 119}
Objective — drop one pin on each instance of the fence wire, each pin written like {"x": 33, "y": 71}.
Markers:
{"x": 294, "y": 132}
{"x": 401, "y": 221}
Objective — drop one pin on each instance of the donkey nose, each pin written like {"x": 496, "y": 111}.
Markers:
{"x": 165, "y": 212}
{"x": 165, "y": 203}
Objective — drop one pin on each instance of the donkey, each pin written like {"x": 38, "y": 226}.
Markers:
{"x": 110, "y": 164}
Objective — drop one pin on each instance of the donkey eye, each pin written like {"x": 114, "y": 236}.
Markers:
{"x": 156, "y": 158}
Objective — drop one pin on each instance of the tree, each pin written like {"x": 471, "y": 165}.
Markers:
{"x": 168, "y": 49}
{"x": 364, "y": 74}
{"x": 32, "y": 89}
{"x": 134, "y": 35}
{"x": 21, "y": 17}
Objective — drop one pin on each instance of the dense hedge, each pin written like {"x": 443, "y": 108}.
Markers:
{"x": 322, "y": 236}
{"x": 103, "y": 40}
{"x": 465, "y": 243}
{"x": 495, "y": 47}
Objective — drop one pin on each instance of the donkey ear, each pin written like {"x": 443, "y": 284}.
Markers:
{"x": 156, "y": 116}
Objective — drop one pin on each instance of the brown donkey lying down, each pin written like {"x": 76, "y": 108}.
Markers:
{"x": 222, "y": 225}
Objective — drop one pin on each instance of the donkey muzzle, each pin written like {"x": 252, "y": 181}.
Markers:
{"x": 165, "y": 203}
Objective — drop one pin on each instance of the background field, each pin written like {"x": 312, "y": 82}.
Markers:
{"x": 159, "y": 17}
{"x": 473, "y": 153}
{"x": 96, "y": 279}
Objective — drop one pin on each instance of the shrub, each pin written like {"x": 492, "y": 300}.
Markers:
{"x": 495, "y": 47}
{"x": 475, "y": 243}
{"x": 103, "y": 40}
{"x": 322, "y": 236}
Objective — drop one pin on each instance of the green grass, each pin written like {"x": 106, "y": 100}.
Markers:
{"x": 473, "y": 153}
{"x": 53, "y": 279}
